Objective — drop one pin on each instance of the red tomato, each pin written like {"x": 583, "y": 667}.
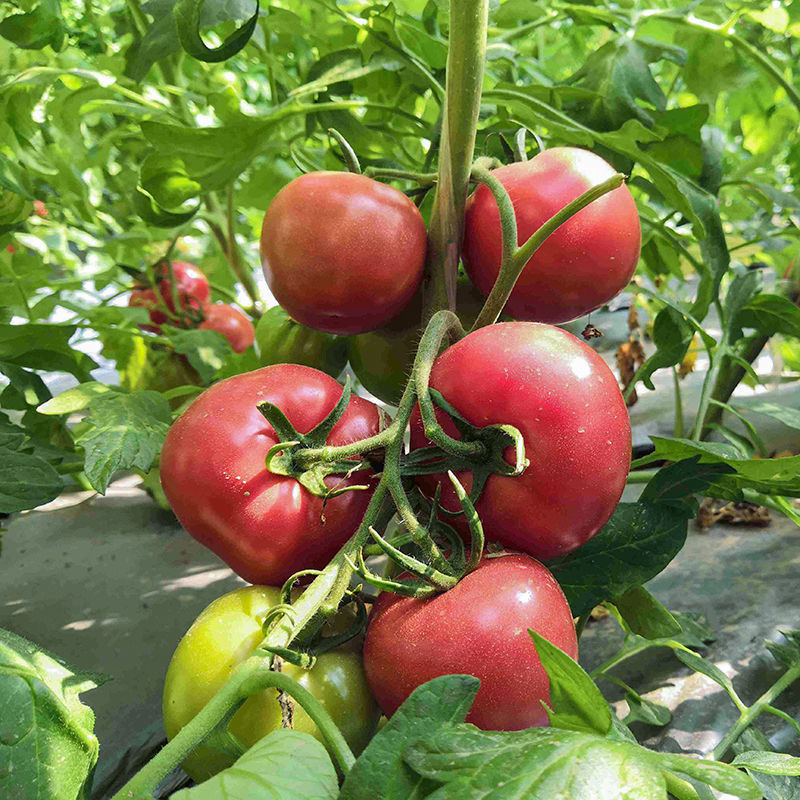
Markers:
{"x": 480, "y": 628}
{"x": 565, "y": 402}
{"x": 231, "y": 323}
{"x": 191, "y": 285}
{"x": 40, "y": 209}
{"x": 146, "y": 298}
{"x": 583, "y": 264}
{"x": 341, "y": 252}
{"x": 264, "y": 526}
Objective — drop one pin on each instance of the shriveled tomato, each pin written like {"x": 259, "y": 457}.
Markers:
{"x": 281, "y": 340}
{"x": 264, "y": 526}
{"x": 581, "y": 266}
{"x": 341, "y": 252}
{"x": 231, "y": 323}
{"x": 382, "y": 359}
{"x": 480, "y": 628}
{"x": 225, "y": 634}
{"x": 564, "y": 400}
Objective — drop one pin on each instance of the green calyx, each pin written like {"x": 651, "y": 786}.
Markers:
{"x": 284, "y": 457}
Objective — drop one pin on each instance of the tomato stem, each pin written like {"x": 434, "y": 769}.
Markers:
{"x": 465, "y": 63}
{"x": 512, "y": 266}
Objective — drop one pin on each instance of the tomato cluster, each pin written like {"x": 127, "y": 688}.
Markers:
{"x": 344, "y": 256}
{"x": 180, "y": 295}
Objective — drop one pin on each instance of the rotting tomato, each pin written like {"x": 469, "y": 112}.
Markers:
{"x": 341, "y": 252}
{"x": 231, "y": 323}
{"x": 281, "y": 340}
{"x": 382, "y": 359}
{"x": 565, "y": 401}
{"x": 226, "y": 633}
{"x": 479, "y": 627}
{"x": 263, "y": 525}
{"x": 583, "y": 264}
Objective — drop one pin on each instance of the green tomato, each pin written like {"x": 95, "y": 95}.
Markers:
{"x": 223, "y": 636}
{"x": 382, "y": 359}
{"x": 281, "y": 340}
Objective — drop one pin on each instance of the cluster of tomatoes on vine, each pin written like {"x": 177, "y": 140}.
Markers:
{"x": 345, "y": 254}
{"x": 178, "y": 293}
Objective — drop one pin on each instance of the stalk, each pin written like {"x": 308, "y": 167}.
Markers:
{"x": 465, "y": 61}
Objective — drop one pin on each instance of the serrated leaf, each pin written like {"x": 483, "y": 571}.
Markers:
{"x": 576, "y": 702}
{"x": 26, "y": 481}
{"x": 123, "y": 431}
{"x": 284, "y": 765}
{"x": 380, "y": 770}
{"x": 47, "y": 745}
{"x": 552, "y": 764}
{"x": 637, "y": 542}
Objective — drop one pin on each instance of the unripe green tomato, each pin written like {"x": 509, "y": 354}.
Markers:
{"x": 382, "y": 359}
{"x": 281, "y": 340}
{"x": 223, "y": 636}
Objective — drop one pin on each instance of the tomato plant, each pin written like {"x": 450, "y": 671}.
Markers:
{"x": 562, "y": 157}
{"x": 584, "y": 264}
{"x": 566, "y": 404}
{"x": 341, "y": 252}
{"x": 225, "y": 634}
{"x": 477, "y": 628}
{"x": 265, "y": 526}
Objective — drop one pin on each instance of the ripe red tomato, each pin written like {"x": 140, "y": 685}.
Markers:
{"x": 231, "y": 323}
{"x": 40, "y": 209}
{"x": 341, "y": 252}
{"x": 583, "y": 264}
{"x": 480, "y": 628}
{"x": 264, "y": 526}
{"x": 191, "y": 285}
{"x": 565, "y": 402}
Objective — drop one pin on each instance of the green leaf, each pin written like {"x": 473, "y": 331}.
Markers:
{"x": 74, "y": 399}
{"x": 43, "y": 347}
{"x": 672, "y": 335}
{"x": 206, "y": 350}
{"x": 640, "y": 709}
{"x": 705, "y": 667}
{"x": 637, "y": 542}
{"x": 787, "y": 654}
{"x": 187, "y": 21}
{"x": 47, "y": 746}
{"x": 770, "y": 763}
{"x": 644, "y": 615}
{"x": 40, "y": 27}
{"x": 123, "y": 431}
{"x": 380, "y": 771}
{"x": 676, "y": 484}
{"x": 26, "y": 481}
{"x": 284, "y": 765}
{"x": 165, "y": 179}
{"x": 552, "y": 764}
{"x": 770, "y": 314}
{"x": 576, "y": 701}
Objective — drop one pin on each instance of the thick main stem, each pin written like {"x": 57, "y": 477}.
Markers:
{"x": 465, "y": 62}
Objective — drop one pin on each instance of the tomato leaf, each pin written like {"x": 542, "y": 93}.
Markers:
{"x": 380, "y": 771}
{"x": 47, "y": 746}
{"x": 187, "y": 19}
{"x": 123, "y": 431}
{"x": 644, "y": 615}
{"x": 787, "y": 653}
{"x": 284, "y": 765}
{"x": 206, "y": 350}
{"x": 42, "y": 26}
{"x": 552, "y": 764}
{"x": 637, "y": 542}
{"x": 770, "y": 314}
{"x": 577, "y": 704}
{"x": 26, "y": 481}
{"x": 771, "y": 763}
{"x": 74, "y": 399}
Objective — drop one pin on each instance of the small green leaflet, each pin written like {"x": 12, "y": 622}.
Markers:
{"x": 284, "y": 765}
{"x": 26, "y": 481}
{"x": 207, "y": 351}
{"x": 47, "y": 746}
{"x": 124, "y": 431}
